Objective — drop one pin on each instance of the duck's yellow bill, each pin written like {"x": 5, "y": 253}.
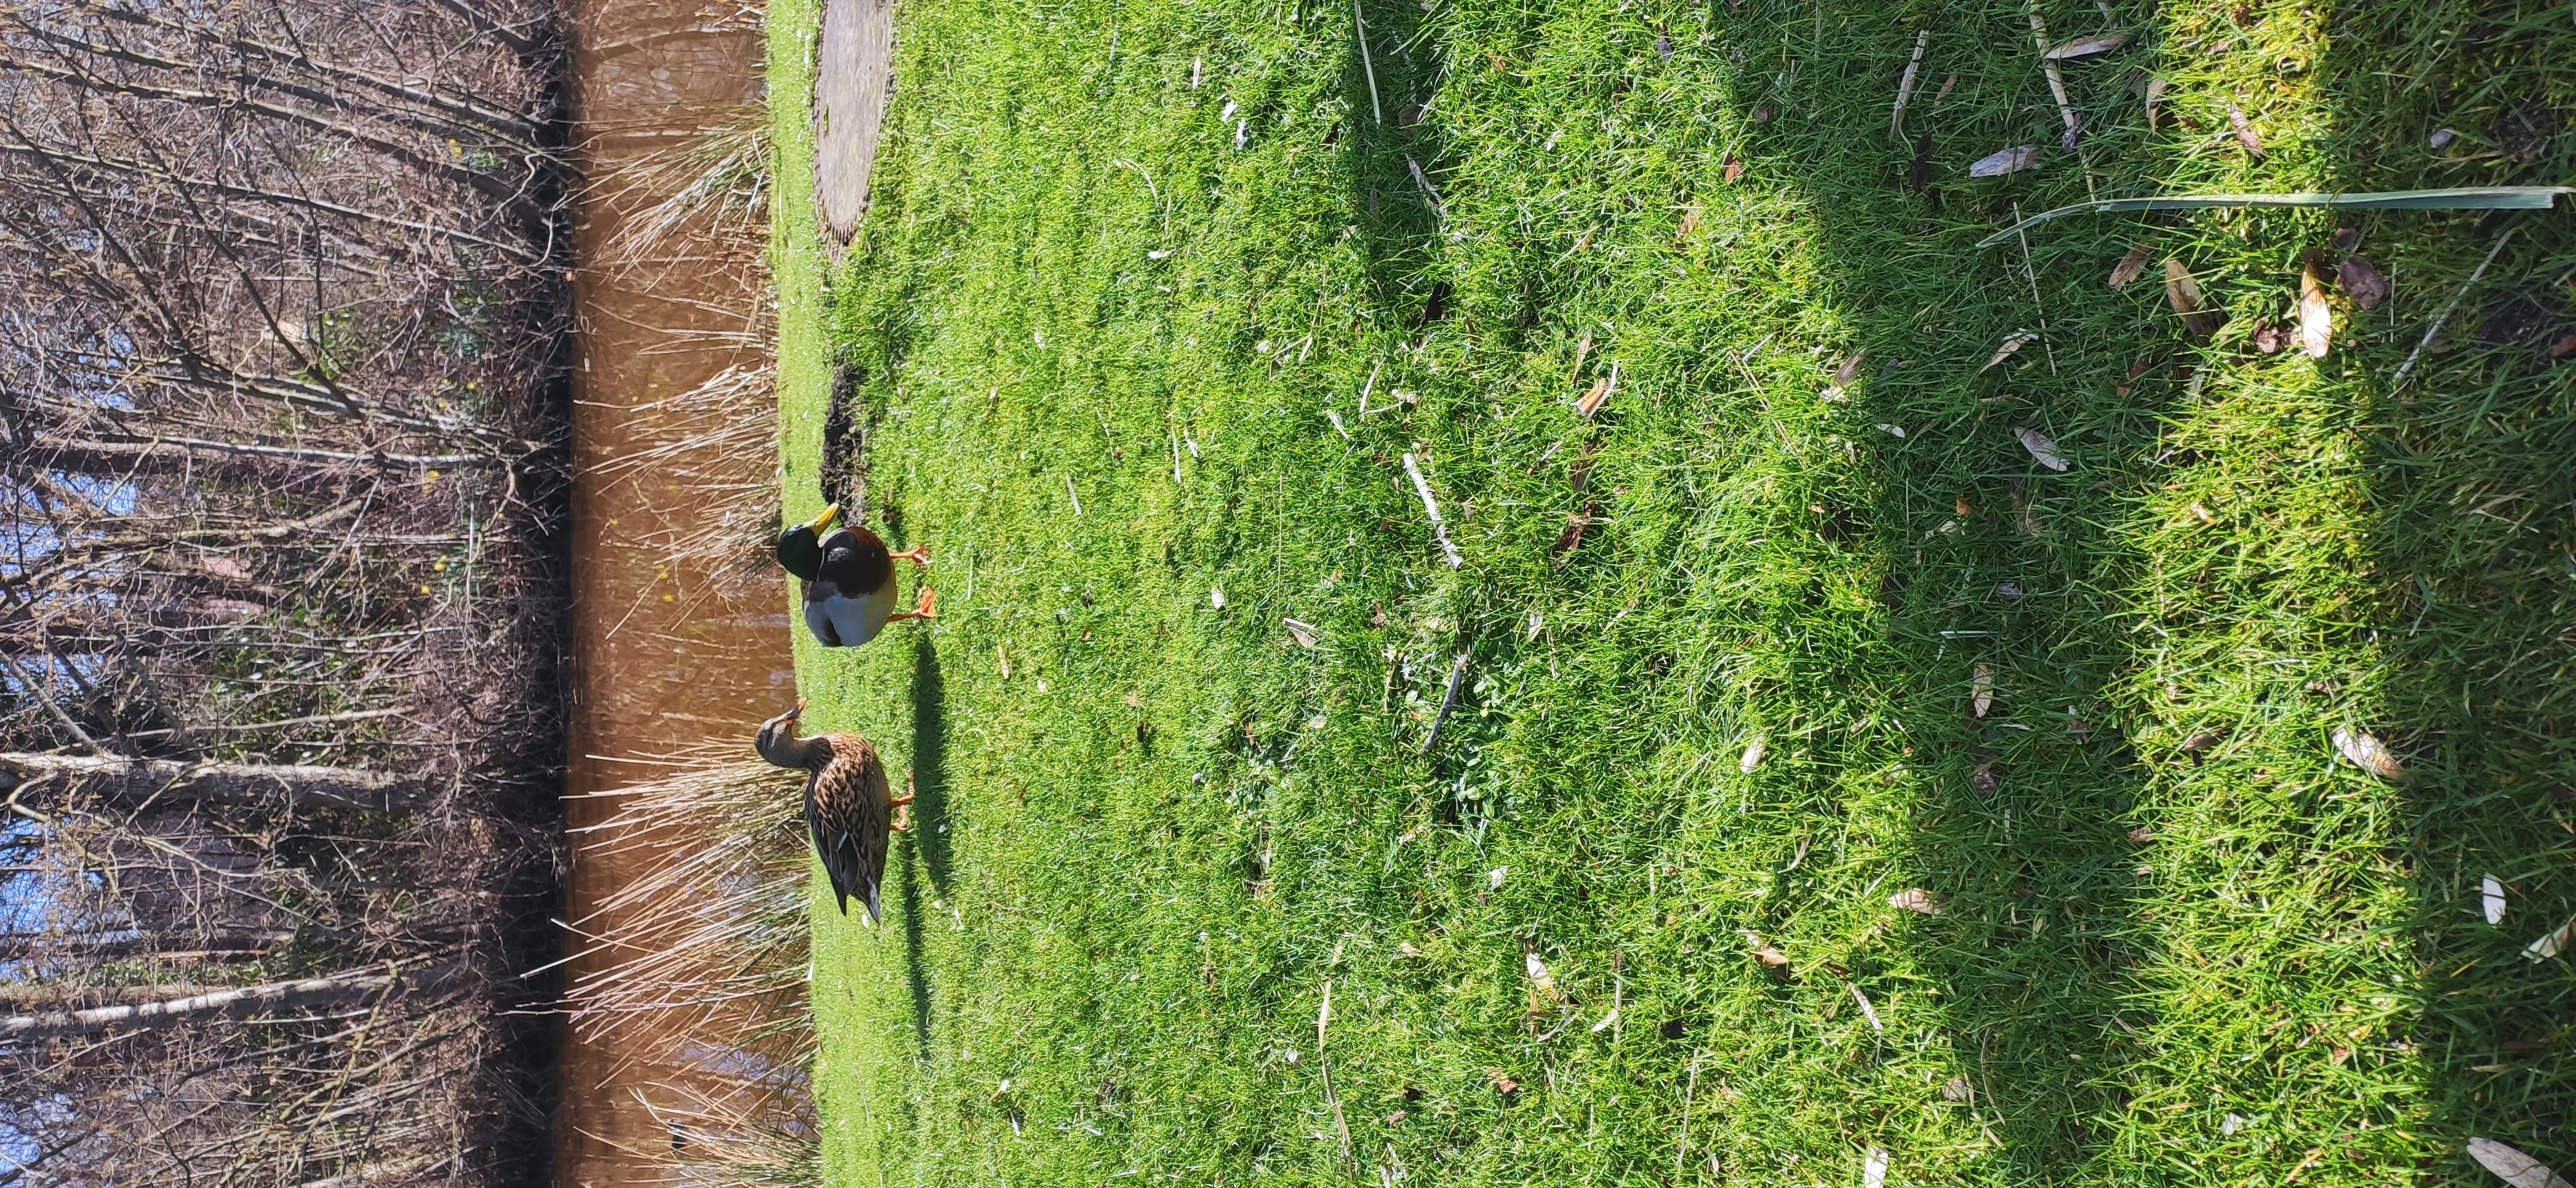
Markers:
{"x": 821, "y": 523}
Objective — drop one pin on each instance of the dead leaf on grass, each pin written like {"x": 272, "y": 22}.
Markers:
{"x": 2142, "y": 834}
{"x": 1840, "y": 381}
{"x": 1947, "y": 85}
{"x": 1590, "y": 402}
{"x": 2011, "y": 160}
{"x": 1753, "y": 752}
{"x": 2131, "y": 265}
{"x": 1540, "y": 981}
{"x": 2012, "y": 343}
{"x": 1957, "y": 1089}
{"x": 2369, "y": 754}
{"x": 2514, "y": 1167}
{"x": 1501, "y": 1083}
{"x": 1873, "y": 1171}
{"x": 1984, "y": 778}
{"x": 2183, "y": 293}
{"x": 2244, "y": 131}
{"x": 1981, "y": 690}
{"x": 2362, "y": 283}
{"x": 2553, "y": 944}
{"x": 1690, "y": 223}
{"x": 2040, "y": 448}
{"x": 2085, "y": 47}
{"x": 1918, "y": 900}
{"x": 1734, "y": 168}
{"x": 2316, "y": 318}
{"x": 1306, "y": 634}
{"x": 2155, "y": 98}
{"x": 1575, "y": 525}
{"x": 2491, "y": 898}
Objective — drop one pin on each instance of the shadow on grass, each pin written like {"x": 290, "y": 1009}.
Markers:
{"x": 2458, "y": 648}
{"x": 916, "y": 962}
{"x": 930, "y": 761}
{"x": 2257, "y": 560}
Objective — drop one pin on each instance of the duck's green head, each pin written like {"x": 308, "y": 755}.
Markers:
{"x": 800, "y": 549}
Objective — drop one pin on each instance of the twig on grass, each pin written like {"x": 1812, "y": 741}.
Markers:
{"x": 2031, "y": 271}
{"x": 1689, "y": 1092}
{"x": 1905, "y": 87}
{"x": 1437, "y": 211}
{"x": 1448, "y": 703}
{"x": 1376, "y": 108}
{"x": 1439, "y": 527}
{"x": 2460, "y": 198}
{"x": 1323, "y": 1017}
{"x": 2430, "y": 333}
{"x": 1866, "y": 1010}
{"x": 2065, "y": 109}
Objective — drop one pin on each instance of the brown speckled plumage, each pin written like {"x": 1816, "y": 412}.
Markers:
{"x": 849, "y": 807}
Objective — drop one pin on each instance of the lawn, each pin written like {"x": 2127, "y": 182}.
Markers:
{"x": 1828, "y": 781}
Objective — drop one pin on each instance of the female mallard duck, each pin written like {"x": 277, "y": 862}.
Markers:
{"x": 849, "y": 579}
{"x": 848, "y": 806}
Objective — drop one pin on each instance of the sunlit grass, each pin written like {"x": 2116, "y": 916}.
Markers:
{"x": 1115, "y": 342}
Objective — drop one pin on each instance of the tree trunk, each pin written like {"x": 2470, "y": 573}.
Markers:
{"x": 92, "y": 947}
{"x": 126, "y": 781}
{"x": 237, "y": 1001}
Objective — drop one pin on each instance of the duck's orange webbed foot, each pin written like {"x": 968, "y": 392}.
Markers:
{"x": 903, "y": 809}
{"x": 929, "y": 608}
{"x": 918, "y": 555}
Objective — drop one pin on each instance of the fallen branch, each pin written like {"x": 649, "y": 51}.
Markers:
{"x": 180, "y": 447}
{"x": 133, "y": 781}
{"x": 2463, "y": 198}
{"x": 311, "y": 992}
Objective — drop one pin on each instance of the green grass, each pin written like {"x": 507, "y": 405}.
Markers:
{"x": 1153, "y": 827}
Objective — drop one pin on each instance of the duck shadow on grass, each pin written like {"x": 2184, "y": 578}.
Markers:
{"x": 916, "y": 967}
{"x": 930, "y": 761}
{"x": 928, "y": 853}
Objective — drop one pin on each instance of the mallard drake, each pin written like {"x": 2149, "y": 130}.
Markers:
{"x": 849, "y": 807}
{"x": 849, "y": 579}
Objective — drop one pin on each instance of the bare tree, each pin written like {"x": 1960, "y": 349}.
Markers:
{"x": 282, "y": 452}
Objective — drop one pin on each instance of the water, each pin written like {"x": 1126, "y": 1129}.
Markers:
{"x": 674, "y": 652}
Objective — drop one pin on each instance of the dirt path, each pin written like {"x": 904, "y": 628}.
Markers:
{"x": 853, "y": 79}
